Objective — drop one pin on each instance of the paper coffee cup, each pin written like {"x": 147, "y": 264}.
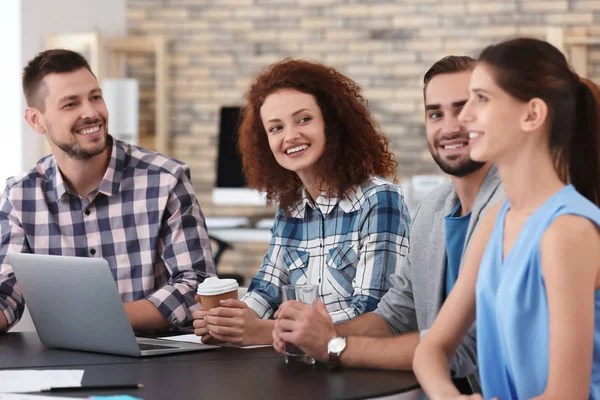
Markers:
{"x": 213, "y": 290}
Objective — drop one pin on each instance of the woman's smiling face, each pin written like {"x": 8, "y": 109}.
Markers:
{"x": 295, "y": 129}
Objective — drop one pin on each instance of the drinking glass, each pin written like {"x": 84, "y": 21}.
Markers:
{"x": 304, "y": 294}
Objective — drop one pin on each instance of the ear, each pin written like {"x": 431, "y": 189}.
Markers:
{"x": 536, "y": 114}
{"x": 35, "y": 119}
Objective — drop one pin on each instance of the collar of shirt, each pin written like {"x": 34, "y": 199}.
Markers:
{"x": 350, "y": 202}
{"x": 111, "y": 181}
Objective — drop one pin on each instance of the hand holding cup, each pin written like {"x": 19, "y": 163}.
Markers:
{"x": 210, "y": 294}
{"x": 307, "y": 328}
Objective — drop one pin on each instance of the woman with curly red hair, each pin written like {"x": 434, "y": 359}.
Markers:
{"x": 310, "y": 143}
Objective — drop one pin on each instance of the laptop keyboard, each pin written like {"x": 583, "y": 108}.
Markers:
{"x": 146, "y": 346}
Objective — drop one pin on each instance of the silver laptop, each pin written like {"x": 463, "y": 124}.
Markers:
{"x": 74, "y": 304}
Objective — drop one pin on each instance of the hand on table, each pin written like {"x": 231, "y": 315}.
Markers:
{"x": 465, "y": 397}
{"x": 309, "y": 328}
{"x": 233, "y": 322}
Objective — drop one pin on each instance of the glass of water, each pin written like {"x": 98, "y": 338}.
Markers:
{"x": 304, "y": 294}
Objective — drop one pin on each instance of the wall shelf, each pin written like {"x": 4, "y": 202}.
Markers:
{"x": 106, "y": 56}
{"x": 573, "y": 43}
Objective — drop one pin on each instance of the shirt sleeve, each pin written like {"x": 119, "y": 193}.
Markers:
{"x": 264, "y": 292}
{"x": 12, "y": 240}
{"x": 186, "y": 252}
{"x": 397, "y": 306}
{"x": 383, "y": 243}
{"x": 464, "y": 362}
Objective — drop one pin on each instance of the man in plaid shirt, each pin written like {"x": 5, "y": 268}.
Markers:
{"x": 98, "y": 197}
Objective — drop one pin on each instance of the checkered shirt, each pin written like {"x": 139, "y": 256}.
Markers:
{"x": 348, "y": 247}
{"x": 144, "y": 219}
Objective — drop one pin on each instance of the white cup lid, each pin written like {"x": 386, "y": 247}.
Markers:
{"x": 213, "y": 286}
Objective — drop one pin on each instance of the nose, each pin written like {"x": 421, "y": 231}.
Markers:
{"x": 88, "y": 111}
{"x": 451, "y": 125}
{"x": 292, "y": 135}
{"x": 466, "y": 114}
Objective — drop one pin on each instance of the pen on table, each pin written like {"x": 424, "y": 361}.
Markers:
{"x": 95, "y": 387}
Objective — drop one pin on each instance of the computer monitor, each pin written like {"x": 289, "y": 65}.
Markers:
{"x": 231, "y": 188}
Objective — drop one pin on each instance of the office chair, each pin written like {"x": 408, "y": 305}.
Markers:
{"x": 221, "y": 247}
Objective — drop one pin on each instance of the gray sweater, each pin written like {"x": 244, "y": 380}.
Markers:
{"x": 417, "y": 293}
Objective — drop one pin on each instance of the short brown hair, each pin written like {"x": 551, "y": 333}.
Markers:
{"x": 448, "y": 65}
{"x": 45, "y": 63}
{"x": 355, "y": 149}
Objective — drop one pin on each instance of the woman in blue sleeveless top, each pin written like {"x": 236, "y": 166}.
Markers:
{"x": 533, "y": 269}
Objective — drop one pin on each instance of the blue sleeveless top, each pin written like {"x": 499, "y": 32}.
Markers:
{"x": 512, "y": 307}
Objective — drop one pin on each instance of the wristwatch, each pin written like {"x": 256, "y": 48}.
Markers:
{"x": 335, "y": 348}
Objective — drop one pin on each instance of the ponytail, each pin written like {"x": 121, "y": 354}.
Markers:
{"x": 583, "y": 159}
{"x": 530, "y": 68}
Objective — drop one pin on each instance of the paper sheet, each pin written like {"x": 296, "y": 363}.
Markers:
{"x": 30, "y": 380}
{"x": 196, "y": 339}
{"x": 13, "y": 396}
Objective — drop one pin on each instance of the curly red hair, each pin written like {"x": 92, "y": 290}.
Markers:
{"x": 355, "y": 149}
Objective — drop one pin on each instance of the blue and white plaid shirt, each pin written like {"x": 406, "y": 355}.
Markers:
{"x": 144, "y": 219}
{"x": 349, "y": 248}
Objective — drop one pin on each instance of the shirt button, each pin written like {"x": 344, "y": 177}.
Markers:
{"x": 87, "y": 211}
{"x": 92, "y": 251}
{"x": 320, "y": 244}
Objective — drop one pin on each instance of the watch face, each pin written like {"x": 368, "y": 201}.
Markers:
{"x": 337, "y": 344}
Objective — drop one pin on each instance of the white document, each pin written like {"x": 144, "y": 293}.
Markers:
{"x": 13, "y": 396}
{"x": 191, "y": 338}
{"x": 30, "y": 380}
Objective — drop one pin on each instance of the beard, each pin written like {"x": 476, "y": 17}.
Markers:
{"x": 72, "y": 148}
{"x": 458, "y": 166}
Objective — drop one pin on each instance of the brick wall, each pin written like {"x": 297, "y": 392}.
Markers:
{"x": 386, "y": 46}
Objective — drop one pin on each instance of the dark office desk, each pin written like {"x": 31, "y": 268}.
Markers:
{"x": 224, "y": 373}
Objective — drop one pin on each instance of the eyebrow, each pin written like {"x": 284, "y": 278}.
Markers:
{"x": 455, "y": 104}
{"x": 75, "y": 97}
{"x": 479, "y": 90}
{"x": 293, "y": 115}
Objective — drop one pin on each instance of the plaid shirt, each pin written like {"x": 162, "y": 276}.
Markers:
{"x": 144, "y": 219}
{"x": 348, "y": 247}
